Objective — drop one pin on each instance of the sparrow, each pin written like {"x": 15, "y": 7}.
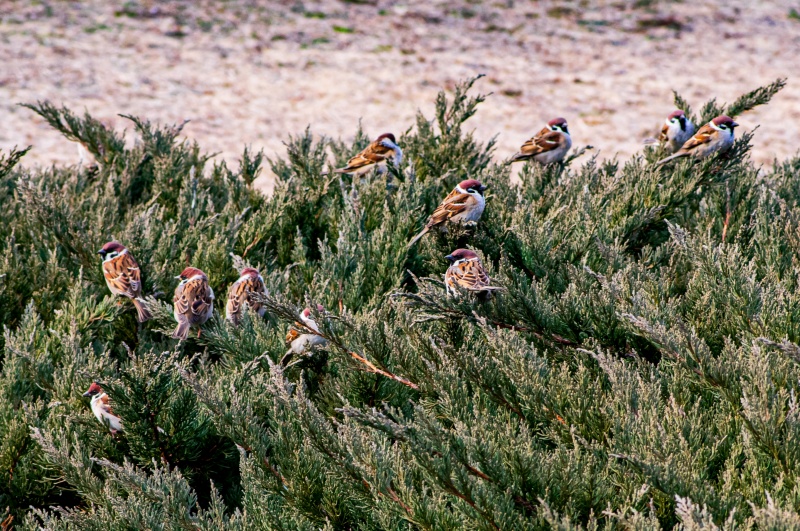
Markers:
{"x": 101, "y": 409}
{"x": 463, "y": 205}
{"x": 715, "y": 136}
{"x": 299, "y": 342}
{"x": 677, "y": 129}
{"x": 123, "y": 276}
{"x": 194, "y": 301}
{"x": 548, "y": 145}
{"x": 466, "y": 272}
{"x": 240, "y": 295}
{"x": 374, "y": 155}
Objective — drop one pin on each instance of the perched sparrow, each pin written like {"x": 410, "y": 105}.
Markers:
{"x": 299, "y": 342}
{"x": 548, "y": 145}
{"x": 715, "y": 136}
{"x": 123, "y": 276}
{"x": 466, "y": 272}
{"x": 194, "y": 301}
{"x": 375, "y": 154}
{"x": 240, "y": 295}
{"x": 101, "y": 409}
{"x": 464, "y": 204}
{"x": 677, "y": 129}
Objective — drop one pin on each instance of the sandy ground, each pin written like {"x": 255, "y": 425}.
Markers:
{"x": 251, "y": 73}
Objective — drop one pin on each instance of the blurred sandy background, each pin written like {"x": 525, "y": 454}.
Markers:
{"x": 250, "y": 73}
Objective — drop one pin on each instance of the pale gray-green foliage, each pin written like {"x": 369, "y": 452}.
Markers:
{"x": 640, "y": 370}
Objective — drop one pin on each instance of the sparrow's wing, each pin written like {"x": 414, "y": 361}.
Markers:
{"x": 455, "y": 203}
{"x": 194, "y": 301}
{"x": 240, "y": 293}
{"x": 123, "y": 276}
{"x": 292, "y": 334}
{"x": 236, "y": 297}
{"x": 664, "y": 132}
{"x": 703, "y": 136}
{"x": 255, "y": 285}
{"x": 546, "y": 140}
{"x": 471, "y": 275}
{"x": 104, "y": 406}
{"x": 372, "y": 154}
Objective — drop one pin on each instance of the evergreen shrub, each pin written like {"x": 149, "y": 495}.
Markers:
{"x": 640, "y": 371}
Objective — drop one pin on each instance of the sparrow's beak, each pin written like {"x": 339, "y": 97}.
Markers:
{"x": 450, "y": 258}
{"x": 102, "y": 253}
{"x": 178, "y": 277}
{"x": 734, "y": 124}
{"x": 482, "y": 189}
{"x": 87, "y": 393}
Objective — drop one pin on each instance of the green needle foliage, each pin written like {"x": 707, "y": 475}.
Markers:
{"x": 639, "y": 371}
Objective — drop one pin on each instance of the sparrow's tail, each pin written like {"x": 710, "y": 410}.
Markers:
{"x": 417, "y": 237}
{"x": 675, "y": 156}
{"x": 144, "y": 313}
{"x": 519, "y": 157}
{"x": 182, "y": 330}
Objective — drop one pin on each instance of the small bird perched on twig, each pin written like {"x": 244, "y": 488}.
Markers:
{"x": 374, "y": 155}
{"x": 123, "y": 277}
{"x": 299, "y": 342}
{"x": 194, "y": 302}
{"x": 548, "y": 145}
{"x": 467, "y": 272}
{"x": 464, "y": 204}
{"x": 240, "y": 295}
{"x": 716, "y": 136}
{"x": 677, "y": 129}
{"x": 101, "y": 408}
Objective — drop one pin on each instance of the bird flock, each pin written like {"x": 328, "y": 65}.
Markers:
{"x": 193, "y": 301}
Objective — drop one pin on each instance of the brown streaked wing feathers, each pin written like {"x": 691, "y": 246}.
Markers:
{"x": 453, "y": 204}
{"x": 545, "y": 140}
{"x": 123, "y": 273}
{"x": 373, "y": 154}
{"x": 240, "y": 292}
{"x": 472, "y": 276}
{"x": 703, "y": 136}
{"x": 236, "y": 298}
{"x": 104, "y": 405}
{"x": 194, "y": 301}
